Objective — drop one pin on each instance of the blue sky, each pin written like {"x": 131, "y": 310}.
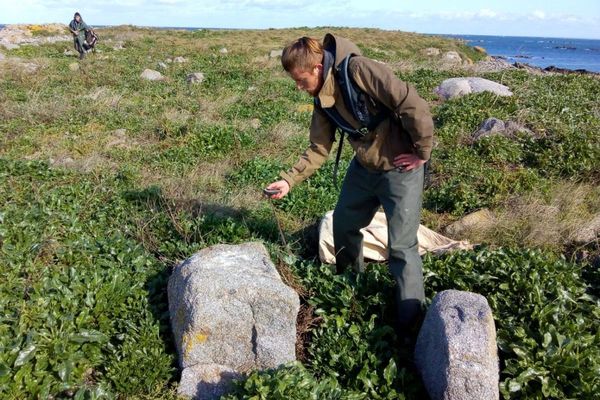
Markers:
{"x": 552, "y": 18}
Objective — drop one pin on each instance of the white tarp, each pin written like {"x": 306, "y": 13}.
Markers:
{"x": 376, "y": 240}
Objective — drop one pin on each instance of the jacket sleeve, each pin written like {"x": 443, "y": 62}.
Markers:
{"x": 380, "y": 83}
{"x": 321, "y": 140}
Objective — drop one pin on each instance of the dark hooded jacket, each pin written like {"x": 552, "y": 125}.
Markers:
{"x": 408, "y": 129}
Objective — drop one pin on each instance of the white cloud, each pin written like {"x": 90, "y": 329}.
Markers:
{"x": 538, "y": 14}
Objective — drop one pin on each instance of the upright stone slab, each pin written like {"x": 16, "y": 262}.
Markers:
{"x": 456, "y": 349}
{"x": 230, "y": 313}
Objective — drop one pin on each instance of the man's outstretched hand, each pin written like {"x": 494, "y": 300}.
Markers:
{"x": 282, "y": 186}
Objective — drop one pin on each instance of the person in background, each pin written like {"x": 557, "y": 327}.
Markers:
{"x": 78, "y": 29}
{"x": 387, "y": 170}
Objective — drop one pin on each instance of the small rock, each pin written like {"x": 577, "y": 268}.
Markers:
{"x": 74, "y": 66}
{"x": 118, "y": 46}
{"x": 255, "y": 123}
{"x": 9, "y": 46}
{"x": 275, "y": 53}
{"x": 456, "y": 87}
{"x": 195, "y": 77}
{"x": 251, "y": 88}
{"x": 495, "y": 126}
{"x": 480, "y": 219}
{"x": 168, "y": 60}
{"x": 431, "y": 51}
{"x": 162, "y": 65}
{"x": 152, "y": 75}
{"x": 456, "y": 351}
{"x": 479, "y": 49}
{"x": 452, "y": 57}
{"x": 223, "y": 51}
{"x": 68, "y": 53}
{"x": 120, "y": 133}
{"x": 588, "y": 233}
{"x": 2, "y": 56}
{"x": 180, "y": 60}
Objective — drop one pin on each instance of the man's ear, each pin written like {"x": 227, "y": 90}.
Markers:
{"x": 318, "y": 68}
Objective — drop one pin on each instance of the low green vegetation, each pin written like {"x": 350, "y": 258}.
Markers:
{"x": 108, "y": 181}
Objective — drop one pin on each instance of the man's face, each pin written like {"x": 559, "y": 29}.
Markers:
{"x": 78, "y": 18}
{"x": 308, "y": 81}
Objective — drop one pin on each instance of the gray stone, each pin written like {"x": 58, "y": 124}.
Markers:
{"x": 456, "y": 351}
{"x": 223, "y": 51}
{"x": 9, "y": 46}
{"x": 68, "y": 53}
{"x": 195, "y": 77}
{"x": 180, "y": 60}
{"x": 255, "y": 123}
{"x": 152, "y": 75}
{"x": 2, "y": 56}
{"x": 431, "y": 51}
{"x": 480, "y": 219}
{"x": 275, "y": 53}
{"x": 455, "y": 87}
{"x": 589, "y": 232}
{"x": 230, "y": 313}
{"x": 495, "y": 126}
{"x": 74, "y": 66}
{"x": 162, "y": 65}
{"x": 452, "y": 57}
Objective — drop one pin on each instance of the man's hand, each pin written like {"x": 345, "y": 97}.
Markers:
{"x": 282, "y": 186}
{"x": 407, "y": 162}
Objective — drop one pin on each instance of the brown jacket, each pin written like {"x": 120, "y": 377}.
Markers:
{"x": 409, "y": 129}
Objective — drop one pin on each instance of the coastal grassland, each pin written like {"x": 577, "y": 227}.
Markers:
{"x": 108, "y": 181}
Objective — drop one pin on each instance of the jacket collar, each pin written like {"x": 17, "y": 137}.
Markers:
{"x": 326, "y": 94}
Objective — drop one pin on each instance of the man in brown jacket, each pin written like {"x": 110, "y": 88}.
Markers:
{"x": 387, "y": 169}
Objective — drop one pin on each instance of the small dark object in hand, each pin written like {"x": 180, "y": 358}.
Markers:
{"x": 271, "y": 192}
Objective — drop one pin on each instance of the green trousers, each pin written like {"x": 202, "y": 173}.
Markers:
{"x": 78, "y": 42}
{"x": 400, "y": 194}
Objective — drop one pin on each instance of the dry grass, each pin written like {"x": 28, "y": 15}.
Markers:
{"x": 550, "y": 221}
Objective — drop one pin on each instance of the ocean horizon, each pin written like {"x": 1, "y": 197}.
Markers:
{"x": 568, "y": 53}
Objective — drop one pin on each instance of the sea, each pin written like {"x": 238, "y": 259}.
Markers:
{"x": 538, "y": 51}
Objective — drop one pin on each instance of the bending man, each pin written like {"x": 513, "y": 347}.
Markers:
{"x": 388, "y": 167}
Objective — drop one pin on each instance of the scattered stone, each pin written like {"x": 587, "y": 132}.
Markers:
{"x": 68, "y": 53}
{"x": 230, "y": 313}
{"x": 495, "y": 126}
{"x": 493, "y": 64}
{"x": 431, "y": 51}
{"x": 152, "y": 75}
{"x": 480, "y": 219}
{"x": 275, "y": 53}
{"x": 479, "y": 49}
{"x": 28, "y": 67}
{"x": 8, "y": 45}
{"x": 61, "y": 162}
{"x": 255, "y": 123}
{"x": 119, "y": 139}
{"x": 588, "y": 233}
{"x": 2, "y": 56}
{"x": 456, "y": 87}
{"x": 118, "y": 46}
{"x": 223, "y": 51}
{"x": 168, "y": 60}
{"x": 456, "y": 351}
{"x": 74, "y": 66}
{"x": 251, "y": 88}
{"x": 452, "y": 57}
{"x": 195, "y": 77}
{"x": 180, "y": 60}
{"x": 162, "y": 65}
